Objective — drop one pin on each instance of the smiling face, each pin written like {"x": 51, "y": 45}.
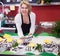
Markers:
{"x": 24, "y": 9}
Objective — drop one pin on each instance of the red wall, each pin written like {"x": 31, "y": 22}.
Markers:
{"x": 43, "y": 13}
{"x": 47, "y": 13}
{"x": 12, "y": 12}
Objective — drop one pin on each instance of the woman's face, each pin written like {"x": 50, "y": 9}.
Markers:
{"x": 24, "y": 9}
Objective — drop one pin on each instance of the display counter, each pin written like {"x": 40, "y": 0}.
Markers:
{"x": 24, "y": 49}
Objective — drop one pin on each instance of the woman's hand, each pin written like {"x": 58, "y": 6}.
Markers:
{"x": 30, "y": 34}
{"x": 22, "y": 38}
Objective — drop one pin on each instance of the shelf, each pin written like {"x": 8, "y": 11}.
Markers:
{"x": 53, "y": 3}
{"x": 35, "y": 4}
{"x": 5, "y": 28}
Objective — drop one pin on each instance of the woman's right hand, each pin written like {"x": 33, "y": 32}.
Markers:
{"x": 22, "y": 38}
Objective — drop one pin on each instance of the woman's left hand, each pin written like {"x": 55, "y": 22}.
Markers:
{"x": 30, "y": 34}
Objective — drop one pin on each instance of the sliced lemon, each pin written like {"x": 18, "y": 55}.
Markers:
{"x": 32, "y": 44}
{"x": 6, "y": 36}
{"x": 1, "y": 39}
{"x": 47, "y": 41}
{"x": 9, "y": 40}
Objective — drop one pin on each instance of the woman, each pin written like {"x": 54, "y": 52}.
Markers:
{"x": 25, "y": 20}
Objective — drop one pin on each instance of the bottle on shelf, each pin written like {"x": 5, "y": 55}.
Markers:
{"x": 42, "y": 2}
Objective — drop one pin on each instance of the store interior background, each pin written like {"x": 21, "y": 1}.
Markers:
{"x": 43, "y": 13}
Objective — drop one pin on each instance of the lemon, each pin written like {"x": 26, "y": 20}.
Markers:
{"x": 6, "y": 36}
{"x": 9, "y": 39}
{"x": 47, "y": 41}
{"x": 31, "y": 45}
{"x": 1, "y": 39}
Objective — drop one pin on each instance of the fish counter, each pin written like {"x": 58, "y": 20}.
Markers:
{"x": 11, "y": 44}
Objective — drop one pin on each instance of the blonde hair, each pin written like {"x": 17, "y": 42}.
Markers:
{"x": 28, "y": 5}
